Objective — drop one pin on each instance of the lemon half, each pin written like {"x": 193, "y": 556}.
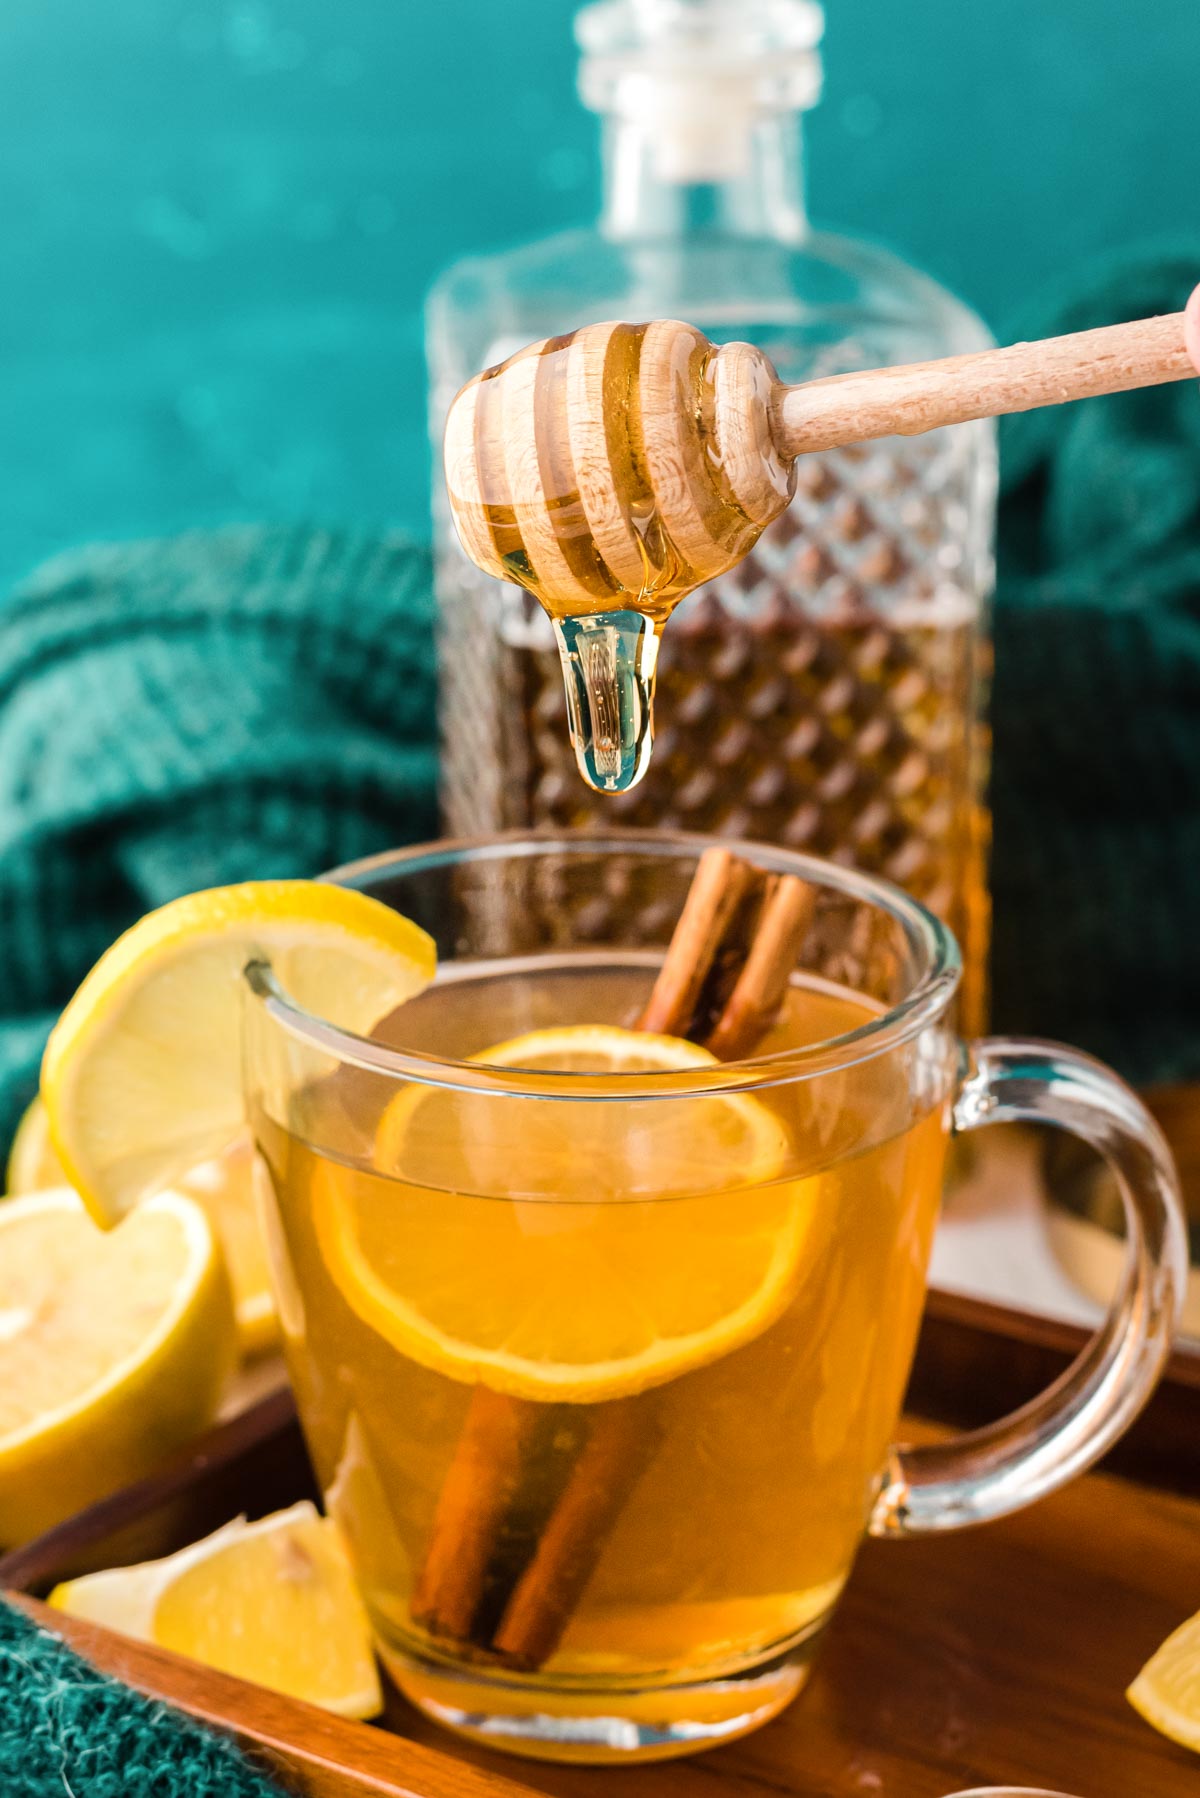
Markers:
{"x": 232, "y": 1188}
{"x": 113, "y": 1349}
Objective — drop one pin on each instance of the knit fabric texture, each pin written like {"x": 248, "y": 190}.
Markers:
{"x": 1096, "y": 703}
{"x": 240, "y": 704}
{"x": 69, "y": 1732}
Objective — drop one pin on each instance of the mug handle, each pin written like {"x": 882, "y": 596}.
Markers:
{"x": 990, "y": 1472}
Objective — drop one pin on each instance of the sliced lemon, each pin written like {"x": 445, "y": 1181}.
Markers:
{"x": 142, "y": 1073}
{"x": 1167, "y": 1690}
{"x": 32, "y": 1164}
{"x": 662, "y": 1234}
{"x": 231, "y": 1187}
{"x": 113, "y": 1349}
{"x": 596, "y": 1049}
{"x": 273, "y": 1602}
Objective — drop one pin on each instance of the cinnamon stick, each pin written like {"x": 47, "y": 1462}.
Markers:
{"x": 759, "y": 990}
{"x": 470, "y": 1513}
{"x": 734, "y": 949}
{"x": 718, "y": 887}
{"x": 502, "y": 1577}
{"x": 618, "y": 1449}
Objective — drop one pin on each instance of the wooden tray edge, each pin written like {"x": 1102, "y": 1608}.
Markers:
{"x": 974, "y": 1362}
{"x": 314, "y": 1752}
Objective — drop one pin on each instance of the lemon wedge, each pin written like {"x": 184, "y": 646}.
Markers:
{"x": 113, "y": 1349}
{"x": 273, "y": 1602}
{"x": 231, "y": 1187}
{"x": 664, "y": 1234}
{"x": 142, "y": 1073}
{"x": 1167, "y": 1690}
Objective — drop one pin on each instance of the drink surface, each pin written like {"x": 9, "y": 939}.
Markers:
{"x": 761, "y": 1440}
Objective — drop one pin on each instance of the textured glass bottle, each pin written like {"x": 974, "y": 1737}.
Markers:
{"x": 828, "y": 694}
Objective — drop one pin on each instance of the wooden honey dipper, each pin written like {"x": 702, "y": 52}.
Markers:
{"x": 613, "y": 470}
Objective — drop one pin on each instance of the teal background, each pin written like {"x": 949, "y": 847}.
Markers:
{"x": 217, "y": 220}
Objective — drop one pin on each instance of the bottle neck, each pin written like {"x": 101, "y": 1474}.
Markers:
{"x": 656, "y": 187}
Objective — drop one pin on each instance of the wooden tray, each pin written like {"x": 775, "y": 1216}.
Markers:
{"x": 1000, "y": 1655}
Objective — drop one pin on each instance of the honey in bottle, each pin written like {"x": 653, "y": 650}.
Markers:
{"x": 828, "y": 692}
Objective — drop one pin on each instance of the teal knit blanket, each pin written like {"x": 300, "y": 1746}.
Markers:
{"x": 1096, "y": 703}
{"x": 69, "y": 1732}
{"x": 233, "y": 705}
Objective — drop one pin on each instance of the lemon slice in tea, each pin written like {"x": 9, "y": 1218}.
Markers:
{"x": 662, "y": 1235}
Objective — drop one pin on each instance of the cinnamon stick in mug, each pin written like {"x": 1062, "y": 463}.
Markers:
{"x": 492, "y": 1577}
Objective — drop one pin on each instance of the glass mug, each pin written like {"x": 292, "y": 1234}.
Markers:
{"x": 599, "y": 1360}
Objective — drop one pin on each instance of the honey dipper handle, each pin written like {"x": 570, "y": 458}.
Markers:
{"x": 905, "y": 401}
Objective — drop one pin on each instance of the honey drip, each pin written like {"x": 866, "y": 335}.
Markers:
{"x": 608, "y": 663}
{"x": 589, "y": 469}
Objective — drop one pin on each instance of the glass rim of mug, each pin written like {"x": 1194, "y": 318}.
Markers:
{"x": 935, "y": 949}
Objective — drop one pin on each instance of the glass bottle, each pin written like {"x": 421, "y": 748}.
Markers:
{"x": 829, "y": 693}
